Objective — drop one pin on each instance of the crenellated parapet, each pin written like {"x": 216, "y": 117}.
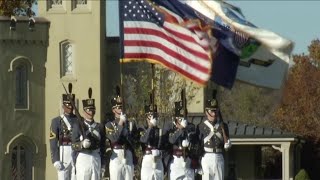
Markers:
{"x": 24, "y": 31}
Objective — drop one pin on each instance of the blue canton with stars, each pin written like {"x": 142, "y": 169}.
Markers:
{"x": 141, "y": 10}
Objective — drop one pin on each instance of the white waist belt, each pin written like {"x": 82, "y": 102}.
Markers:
{"x": 118, "y": 151}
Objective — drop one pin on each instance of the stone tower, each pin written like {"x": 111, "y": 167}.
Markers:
{"x": 23, "y": 49}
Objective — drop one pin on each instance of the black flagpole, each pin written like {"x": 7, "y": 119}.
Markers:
{"x": 152, "y": 86}
{"x": 121, "y": 84}
{"x": 121, "y": 52}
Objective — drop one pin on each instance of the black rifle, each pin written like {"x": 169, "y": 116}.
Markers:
{"x": 222, "y": 127}
{"x": 214, "y": 94}
{"x": 184, "y": 105}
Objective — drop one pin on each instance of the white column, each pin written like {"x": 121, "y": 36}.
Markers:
{"x": 287, "y": 161}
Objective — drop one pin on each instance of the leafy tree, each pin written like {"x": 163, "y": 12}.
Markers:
{"x": 314, "y": 50}
{"x": 299, "y": 111}
{"x": 17, "y": 7}
{"x": 248, "y": 104}
{"x": 137, "y": 85}
{"x": 167, "y": 87}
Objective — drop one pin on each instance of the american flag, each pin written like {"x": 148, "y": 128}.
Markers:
{"x": 158, "y": 35}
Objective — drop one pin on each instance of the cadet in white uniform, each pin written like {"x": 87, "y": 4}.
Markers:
{"x": 121, "y": 134}
{"x": 214, "y": 135}
{"x": 152, "y": 144}
{"x": 60, "y": 139}
{"x": 88, "y": 140}
{"x": 181, "y": 164}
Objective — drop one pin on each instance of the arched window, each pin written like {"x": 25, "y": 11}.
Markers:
{"x": 21, "y": 163}
{"x": 21, "y": 86}
{"x": 66, "y": 59}
{"x": 22, "y": 153}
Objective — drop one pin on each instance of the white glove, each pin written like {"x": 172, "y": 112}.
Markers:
{"x": 123, "y": 117}
{"x": 124, "y": 161}
{"x": 183, "y": 163}
{"x": 86, "y": 143}
{"x": 155, "y": 152}
{"x": 199, "y": 171}
{"x": 153, "y": 121}
{"x": 58, "y": 165}
{"x": 185, "y": 143}
{"x": 227, "y": 145}
{"x": 184, "y": 123}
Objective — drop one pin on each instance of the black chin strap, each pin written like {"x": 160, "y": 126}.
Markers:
{"x": 207, "y": 110}
{"x": 86, "y": 112}
{"x": 118, "y": 113}
{"x": 89, "y": 114}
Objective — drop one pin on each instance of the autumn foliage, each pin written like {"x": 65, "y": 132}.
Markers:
{"x": 16, "y": 7}
{"x": 299, "y": 111}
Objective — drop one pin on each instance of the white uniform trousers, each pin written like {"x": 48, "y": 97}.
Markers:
{"x": 212, "y": 166}
{"x": 151, "y": 168}
{"x": 180, "y": 169}
{"x": 88, "y": 165}
{"x": 68, "y": 172}
{"x": 121, "y": 168}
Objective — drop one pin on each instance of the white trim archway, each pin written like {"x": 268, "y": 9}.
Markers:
{"x": 22, "y": 58}
{"x": 21, "y": 137}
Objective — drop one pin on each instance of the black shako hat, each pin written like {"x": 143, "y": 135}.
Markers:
{"x": 213, "y": 102}
{"x": 117, "y": 100}
{"x": 67, "y": 98}
{"x": 89, "y": 103}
